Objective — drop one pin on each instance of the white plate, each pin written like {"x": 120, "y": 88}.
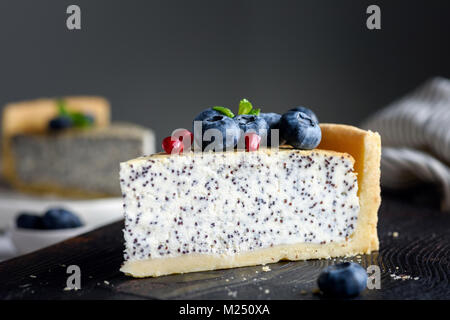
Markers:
{"x": 28, "y": 240}
{"x": 94, "y": 213}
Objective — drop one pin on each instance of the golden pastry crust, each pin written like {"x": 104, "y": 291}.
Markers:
{"x": 31, "y": 117}
{"x": 365, "y": 148}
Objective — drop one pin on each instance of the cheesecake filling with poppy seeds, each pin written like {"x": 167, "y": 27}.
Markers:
{"x": 229, "y": 203}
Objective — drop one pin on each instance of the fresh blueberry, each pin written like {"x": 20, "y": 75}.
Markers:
{"x": 251, "y": 123}
{"x": 309, "y": 112}
{"x": 60, "y": 123}
{"x": 59, "y": 218}
{"x": 207, "y": 113}
{"x": 29, "y": 221}
{"x": 222, "y": 124}
{"x": 343, "y": 280}
{"x": 299, "y": 130}
{"x": 273, "y": 120}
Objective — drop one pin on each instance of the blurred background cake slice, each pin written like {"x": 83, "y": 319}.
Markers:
{"x": 68, "y": 146}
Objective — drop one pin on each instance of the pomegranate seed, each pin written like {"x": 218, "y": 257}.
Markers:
{"x": 252, "y": 141}
{"x": 183, "y": 135}
{"x": 172, "y": 145}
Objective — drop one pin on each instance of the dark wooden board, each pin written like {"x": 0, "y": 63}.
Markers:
{"x": 420, "y": 251}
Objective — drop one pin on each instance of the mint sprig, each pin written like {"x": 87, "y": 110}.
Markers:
{"x": 62, "y": 110}
{"x": 79, "y": 119}
{"x": 245, "y": 107}
{"x": 255, "y": 112}
{"x": 224, "y": 111}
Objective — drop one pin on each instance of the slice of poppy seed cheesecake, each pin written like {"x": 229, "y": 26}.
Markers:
{"x": 49, "y": 148}
{"x": 81, "y": 163}
{"x": 206, "y": 211}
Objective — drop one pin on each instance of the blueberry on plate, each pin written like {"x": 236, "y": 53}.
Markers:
{"x": 308, "y": 111}
{"x": 218, "y": 127}
{"x": 59, "y": 218}
{"x": 207, "y": 113}
{"x": 60, "y": 123}
{"x": 252, "y": 124}
{"x": 29, "y": 221}
{"x": 343, "y": 280}
{"x": 300, "y": 130}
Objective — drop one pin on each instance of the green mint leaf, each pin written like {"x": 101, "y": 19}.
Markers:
{"x": 62, "y": 107}
{"x": 224, "y": 111}
{"x": 245, "y": 107}
{"x": 80, "y": 120}
{"x": 255, "y": 112}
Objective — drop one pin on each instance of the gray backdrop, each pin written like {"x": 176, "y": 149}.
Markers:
{"x": 161, "y": 62}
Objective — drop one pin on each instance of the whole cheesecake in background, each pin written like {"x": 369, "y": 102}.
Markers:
{"x": 197, "y": 211}
{"x": 74, "y": 162}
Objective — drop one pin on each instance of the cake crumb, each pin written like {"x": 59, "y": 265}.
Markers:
{"x": 403, "y": 277}
{"x": 70, "y": 289}
{"x": 395, "y": 234}
{"x": 266, "y": 269}
{"x": 232, "y": 294}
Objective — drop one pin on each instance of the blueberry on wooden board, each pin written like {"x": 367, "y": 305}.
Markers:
{"x": 300, "y": 130}
{"x": 59, "y": 218}
{"x": 343, "y": 280}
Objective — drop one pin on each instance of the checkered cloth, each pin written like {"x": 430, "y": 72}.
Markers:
{"x": 415, "y": 135}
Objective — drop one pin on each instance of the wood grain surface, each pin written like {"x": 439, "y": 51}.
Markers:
{"x": 414, "y": 265}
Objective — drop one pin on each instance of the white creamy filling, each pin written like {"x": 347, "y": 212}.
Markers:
{"x": 226, "y": 203}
